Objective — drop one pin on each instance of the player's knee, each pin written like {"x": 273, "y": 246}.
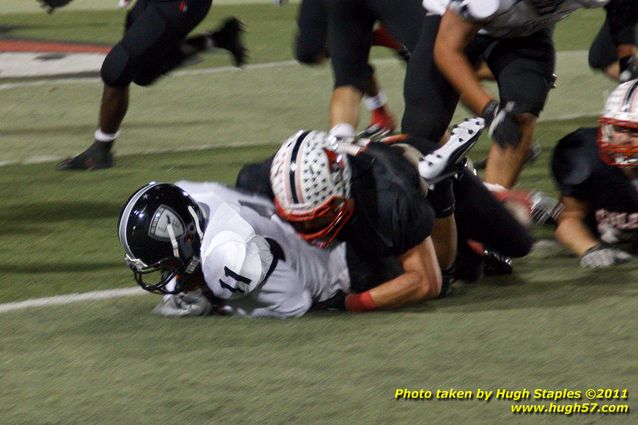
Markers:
{"x": 117, "y": 69}
{"x": 145, "y": 78}
{"x": 309, "y": 56}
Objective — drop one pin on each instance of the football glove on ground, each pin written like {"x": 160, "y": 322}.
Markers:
{"x": 601, "y": 255}
{"x": 183, "y": 304}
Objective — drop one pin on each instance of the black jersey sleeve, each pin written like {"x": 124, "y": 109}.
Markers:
{"x": 573, "y": 162}
{"x": 396, "y": 206}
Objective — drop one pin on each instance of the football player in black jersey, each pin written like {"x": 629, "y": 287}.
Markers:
{"x": 371, "y": 196}
{"x": 514, "y": 39}
{"x": 153, "y": 44}
{"x": 596, "y": 171}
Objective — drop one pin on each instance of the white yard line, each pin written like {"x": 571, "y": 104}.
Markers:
{"x": 71, "y": 298}
{"x": 206, "y": 71}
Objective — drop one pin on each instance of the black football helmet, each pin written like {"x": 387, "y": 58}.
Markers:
{"x": 160, "y": 229}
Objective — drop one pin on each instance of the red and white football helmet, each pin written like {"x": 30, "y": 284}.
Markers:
{"x": 618, "y": 131}
{"x": 311, "y": 183}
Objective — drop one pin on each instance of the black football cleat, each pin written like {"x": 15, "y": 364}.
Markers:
{"x": 90, "y": 159}
{"x": 228, "y": 37}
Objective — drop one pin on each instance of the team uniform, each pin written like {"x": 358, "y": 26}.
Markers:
{"x": 515, "y": 41}
{"x": 150, "y": 47}
{"x": 350, "y": 24}
{"x": 391, "y": 214}
{"x": 296, "y": 273}
{"x": 611, "y": 196}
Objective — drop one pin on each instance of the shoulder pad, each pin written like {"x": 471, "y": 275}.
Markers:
{"x": 475, "y": 10}
{"x": 571, "y": 164}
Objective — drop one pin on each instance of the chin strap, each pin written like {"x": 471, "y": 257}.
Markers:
{"x": 171, "y": 234}
{"x": 196, "y": 219}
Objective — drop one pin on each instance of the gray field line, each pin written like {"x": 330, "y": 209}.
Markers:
{"x": 218, "y": 70}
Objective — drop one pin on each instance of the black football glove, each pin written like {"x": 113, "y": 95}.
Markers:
{"x": 601, "y": 255}
{"x": 51, "y": 5}
{"x": 336, "y": 303}
{"x": 628, "y": 68}
{"x": 504, "y": 129}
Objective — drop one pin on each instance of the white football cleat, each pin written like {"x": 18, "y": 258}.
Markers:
{"x": 441, "y": 163}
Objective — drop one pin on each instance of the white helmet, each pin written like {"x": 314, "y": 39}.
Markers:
{"x": 311, "y": 183}
{"x": 619, "y": 127}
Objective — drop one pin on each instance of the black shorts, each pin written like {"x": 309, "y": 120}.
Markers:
{"x": 602, "y": 51}
{"x": 350, "y": 24}
{"x": 523, "y": 68}
{"x": 312, "y": 31}
{"x": 154, "y": 30}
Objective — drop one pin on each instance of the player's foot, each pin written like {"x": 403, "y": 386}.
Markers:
{"x": 228, "y": 37}
{"x": 94, "y": 158}
{"x": 442, "y": 163}
{"x": 381, "y": 125}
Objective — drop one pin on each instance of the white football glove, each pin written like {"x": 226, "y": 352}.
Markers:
{"x": 544, "y": 208}
{"x": 435, "y": 7}
{"x": 600, "y": 255}
{"x": 183, "y": 304}
{"x": 123, "y": 3}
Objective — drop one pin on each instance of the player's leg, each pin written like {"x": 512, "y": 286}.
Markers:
{"x": 430, "y": 100}
{"x": 524, "y": 69}
{"x": 602, "y": 53}
{"x": 375, "y": 101}
{"x": 349, "y": 37}
{"x": 227, "y": 37}
{"x": 484, "y": 226}
{"x": 153, "y": 30}
{"x": 312, "y": 31}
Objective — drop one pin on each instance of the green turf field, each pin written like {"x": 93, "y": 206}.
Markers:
{"x": 551, "y": 325}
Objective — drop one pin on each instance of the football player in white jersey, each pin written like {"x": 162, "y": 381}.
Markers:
{"x": 212, "y": 249}
{"x": 514, "y": 38}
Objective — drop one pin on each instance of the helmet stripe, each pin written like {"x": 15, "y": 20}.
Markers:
{"x": 627, "y": 101}
{"x": 127, "y": 212}
{"x": 293, "y": 165}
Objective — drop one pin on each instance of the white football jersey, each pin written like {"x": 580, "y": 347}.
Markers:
{"x": 509, "y": 18}
{"x": 236, "y": 256}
